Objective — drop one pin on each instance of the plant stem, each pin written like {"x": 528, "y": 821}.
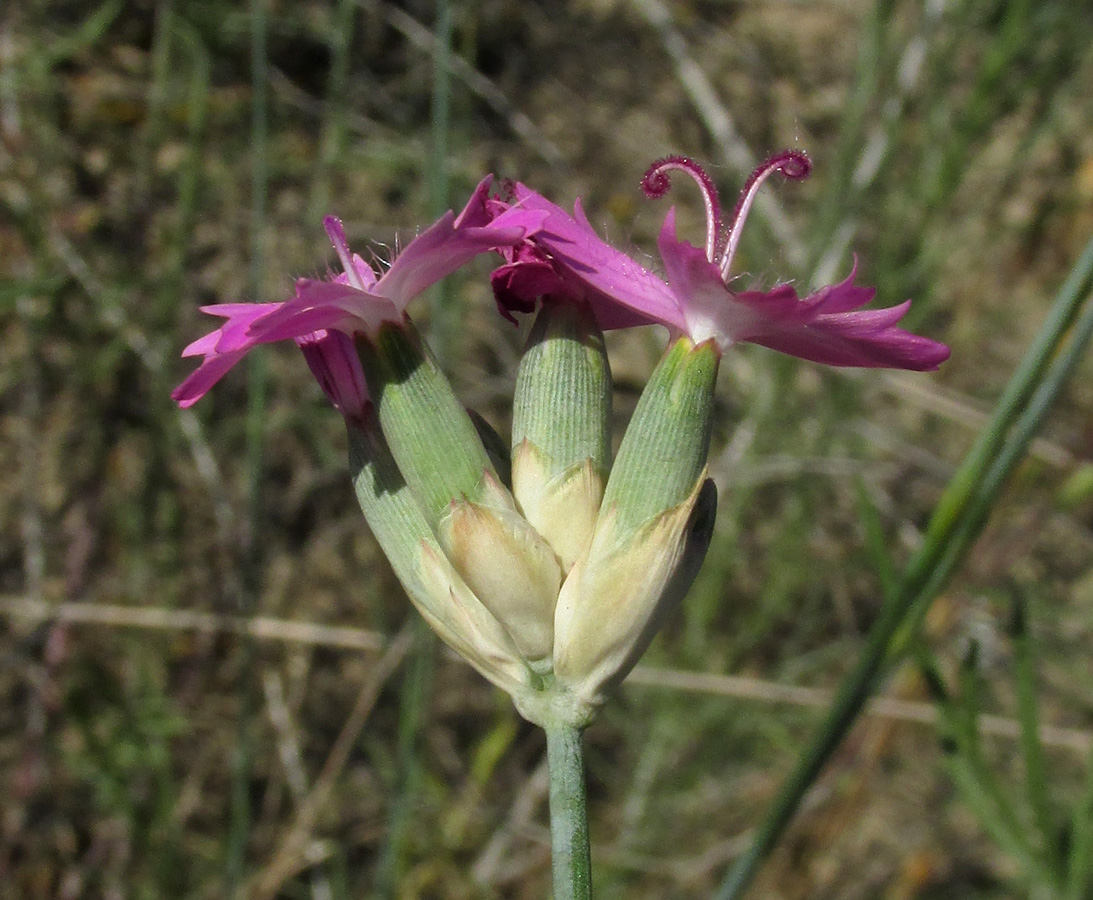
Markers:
{"x": 571, "y": 862}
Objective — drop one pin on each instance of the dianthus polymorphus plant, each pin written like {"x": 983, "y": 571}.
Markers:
{"x": 550, "y": 571}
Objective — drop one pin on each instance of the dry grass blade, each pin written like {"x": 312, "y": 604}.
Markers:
{"x": 885, "y": 707}
{"x": 960, "y": 410}
{"x": 291, "y": 852}
{"x": 288, "y": 748}
{"x": 487, "y": 869}
{"x": 343, "y": 637}
{"x": 422, "y": 38}
{"x": 157, "y": 618}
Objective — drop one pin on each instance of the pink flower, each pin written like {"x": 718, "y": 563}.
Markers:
{"x": 324, "y": 316}
{"x": 827, "y": 326}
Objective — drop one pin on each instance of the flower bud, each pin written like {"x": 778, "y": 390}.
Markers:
{"x": 614, "y": 601}
{"x": 666, "y": 443}
{"x": 464, "y": 623}
{"x": 434, "y": 587}
{"x": 432, "y": 438}
{"x": 652, "y": 532}
{"x": 561, "y": 427}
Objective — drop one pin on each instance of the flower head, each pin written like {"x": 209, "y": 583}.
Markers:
{"x": 698, "y": 298}
{"x": 323, "y": 316}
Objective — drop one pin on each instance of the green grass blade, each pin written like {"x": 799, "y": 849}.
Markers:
{"x": 1080, "y": 859}
{"x": 978, "y": 789}
{"x": 989, "y": 99}
{"x": 190, "y": 173}
{"x": 256, "y": 407}
{"x": 960, "y": 515}
{"x": 443, "y": 333}
{"x": 867, "y": 80}
{"x": 875, "y": 543}
{"x": 441, "y": 115}
{"x": 412, "y": 723}
{"x": 1028, "y": 718}
{"x": 1020, "y": 387}
{"x": 152, "y": 131}
{"x": 981, "y": 788}
{"x": 334, "y": 128}
{"x": 240, "y": 813}
{"x": 90, "y": 30}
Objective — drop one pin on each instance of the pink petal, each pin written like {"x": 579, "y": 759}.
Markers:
{"x": 518, "y": 286}
{"x": 477, "y": 214}
{"x": 780, "y": 303}
{"x": 199, "y": 381}
{"x": 319, "y": 306}
{"x": 364, "y": 272}
{"x": 203, "y": 345}
{"x": 867, "y": 338}
{"x": 449, "y": 244}
{"x": 324, "y": 305}
{"x": 228, "y": 336}
{"x": 892, "y": 348}
{"x": 694, "y": 281}
{"x": 333, "y": 360}
{"x": 864, "y": 321}
{"x": 238, "y": 310}
{"x": 300, "y": 322}
{"x": 845, "y": 295}
{"x": 620, "y": 292}
{"x": 826, "y": 327}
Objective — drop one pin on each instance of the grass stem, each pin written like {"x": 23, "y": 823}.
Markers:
{"x": 240, "y": 812}
{"x": 957, "y": 521}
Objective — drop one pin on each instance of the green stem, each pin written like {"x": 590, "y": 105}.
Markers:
{"x": 1081, "y": 841}
{"x": 571, "y": 861}
{"x": 1032, "y": 749}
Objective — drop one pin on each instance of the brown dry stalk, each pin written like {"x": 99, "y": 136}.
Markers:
{"x": 738, "y": 686}
{"x": 291, "y": 851}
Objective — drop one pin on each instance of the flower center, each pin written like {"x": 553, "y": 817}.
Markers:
{"x": 791, "y": 163}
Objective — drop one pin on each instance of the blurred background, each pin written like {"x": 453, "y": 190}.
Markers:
{"x": 200, "y": 694}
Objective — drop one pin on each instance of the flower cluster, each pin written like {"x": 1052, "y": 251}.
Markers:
{"x": 549, "y": 568}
